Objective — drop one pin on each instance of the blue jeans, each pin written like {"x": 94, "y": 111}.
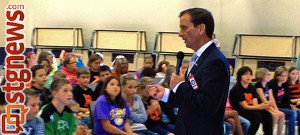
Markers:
{"x": 163, "y": 129}
{"x": 145, "y": 132}
{"x": 86, "y": 120}
{"x": 291, "y": 116}
{"x": 227, "y": 128}
{"x": 245, "y": 124}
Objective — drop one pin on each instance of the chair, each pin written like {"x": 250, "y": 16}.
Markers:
{"x": 157, "y": 80}
{"x": 92, "y": 106}
{"x": 92, "y": 86}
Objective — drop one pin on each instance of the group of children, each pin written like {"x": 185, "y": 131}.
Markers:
{"x": 269, "y": 101}
{"x": 59, "y": 101}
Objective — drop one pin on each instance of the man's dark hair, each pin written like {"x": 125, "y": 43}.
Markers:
{"x": 201, "y": 16}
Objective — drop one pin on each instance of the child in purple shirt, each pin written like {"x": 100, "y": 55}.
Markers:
{"x": 111, "y": 110}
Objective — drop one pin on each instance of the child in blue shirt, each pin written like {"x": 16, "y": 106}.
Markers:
{"x": 34, "y": 125}
{"x": 138, "y": 114}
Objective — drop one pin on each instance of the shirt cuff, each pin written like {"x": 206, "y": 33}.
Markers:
{"x": 166, "y": 95}
{"x": 175, "y": 88}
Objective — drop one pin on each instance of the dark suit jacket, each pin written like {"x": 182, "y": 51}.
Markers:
{"x": 201, "y": 112}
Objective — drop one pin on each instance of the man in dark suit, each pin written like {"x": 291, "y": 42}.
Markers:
{"x": 201, "y": 93}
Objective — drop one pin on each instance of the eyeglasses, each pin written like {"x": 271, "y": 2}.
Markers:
{"x": 72, "y": 62}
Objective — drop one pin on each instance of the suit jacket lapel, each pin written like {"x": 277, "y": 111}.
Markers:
{"x": 202, "y": 57}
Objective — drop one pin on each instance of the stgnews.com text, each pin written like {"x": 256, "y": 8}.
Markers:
{"x": 16, "y": 75}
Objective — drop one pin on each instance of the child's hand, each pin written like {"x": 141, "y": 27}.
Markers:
{"x": 298, "y": 102}
{"x": 82, "y": 130}
{"x": 79, "y": 115}
{"x": 87, "y": 113}
{"x": 270, "y": 103}
{"x": 154, "y": 104}
{"x": 264, "y": 105}
{"x": 293, "y": 107}
{"x": 132, "y": 134}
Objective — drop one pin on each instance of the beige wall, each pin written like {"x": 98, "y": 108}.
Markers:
{"x": 231, "y": 17}
{"x": 2, "y": 22}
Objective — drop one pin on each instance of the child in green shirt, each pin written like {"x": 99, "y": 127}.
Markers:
{"x": 59, "y": 119}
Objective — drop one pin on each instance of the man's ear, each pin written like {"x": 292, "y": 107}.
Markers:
{"x": 201, "y": 28}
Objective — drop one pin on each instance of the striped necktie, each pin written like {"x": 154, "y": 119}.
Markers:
{"x": 194, "y": 58}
